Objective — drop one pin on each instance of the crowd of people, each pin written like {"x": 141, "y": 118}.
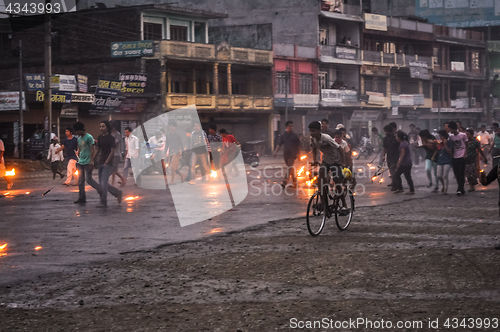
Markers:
{"x": 454, "y": 147}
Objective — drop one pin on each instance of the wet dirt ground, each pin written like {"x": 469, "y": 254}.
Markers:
{"x": 421, "y": 260}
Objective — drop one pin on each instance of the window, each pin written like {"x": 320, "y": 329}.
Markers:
{"x": 178, "y": 32}
{"x": 323, "y": 80}
{"x": 282, "y": 82}
{"x": 427, "y": 89}
{"x": 436, "y": 92}
{"x": 436, "y": 53}
{"x": 199, "y": 32}
{"x": 153, "y": 31}
{"x": 368, "y": 84}
{"x": 380, "y": 85}
{"x": 323, "y": 36}
{"x": 475, "y": 61}
{"x": 306, "y": 83}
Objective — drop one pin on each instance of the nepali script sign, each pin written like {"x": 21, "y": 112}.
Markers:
{"x": 132, "y": 49}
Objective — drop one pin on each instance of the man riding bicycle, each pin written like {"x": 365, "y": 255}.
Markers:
{"x": 333, "y": 161}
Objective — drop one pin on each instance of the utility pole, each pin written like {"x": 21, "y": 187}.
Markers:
{"x": 489, "y": 102}
{"x": 287, "y": 79}
{"x": 21, "y": 117}
{"x": 48, "y": 71}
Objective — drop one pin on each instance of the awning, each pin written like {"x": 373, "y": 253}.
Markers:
{"x": 331, "y": 59}
{"x": 339, "y": 16}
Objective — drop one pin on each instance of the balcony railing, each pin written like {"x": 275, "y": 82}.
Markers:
{"x": 193, "y": 51}
{"x": 400, "y": 23}
{"x": 226, "y": 102}
{"x": 394, "y": 59}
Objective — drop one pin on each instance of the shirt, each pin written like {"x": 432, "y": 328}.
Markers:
{"x": 70, "y": 146}
{"x": 330, "y": 149}
{"x": 84, "y": 144}
{"x": 391, "y": 145}
{"x": 2, "y": 148}
{"x": 173, "y": 144}
{"x": 214, "y": 142}
{"x": 484, "y": 137}
{"x": 471, "y": 155}
{"x": 198, "y": 142}
{"x": 291, "y": 144}
{"x": 459, "y": 143}
{"x": 407, "y": 157}
{"x": 132, "y": 146}
{"x": 105, "y": 143}
{"x": 444, "y": 158}
{"x": 53, "y": 155}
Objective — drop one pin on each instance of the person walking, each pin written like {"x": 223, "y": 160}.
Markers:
{"x": 471, "y": 158}
{"x": 69, "y": 147}
{"x": 105, "y": 149}
{"x": 198, "y": 146}
{"x": 413, "y": 141}
{"x": 378, "y": 143}
{"x": 390, "y": 153}
{"x": 429, "y": 145}
{"x": 495, "y": 148}
{"x": 10, "y": 184}
{"x": 404, "y": 164}
{"x": 229, "y": 150}
{"x": 459, "y": 140}
{"x": 55, "y": 155}
{"x": 117, "y": 155}
{"x": 173, "y": 151}
{"x": 131, "y": 153}
{"x": 215, "y": 142}
{"x": 291, "y": 146}
{"x": 444, "y": 157}
{"x": 484, "y": 139}
{"x": 325, "y": 129}
{"x": 85, "y": 154}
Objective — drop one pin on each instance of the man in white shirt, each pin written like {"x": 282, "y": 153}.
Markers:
{"x": 132, "y": 152}
{"x": 2, "y": 166}
{"x": 484, "y": 138}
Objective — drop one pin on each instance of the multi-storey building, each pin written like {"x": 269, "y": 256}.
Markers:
{"x": 415, "y": 72}
{"x": 230, "y": 86}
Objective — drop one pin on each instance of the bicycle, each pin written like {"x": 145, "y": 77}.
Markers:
{"x": 317, "y": 215}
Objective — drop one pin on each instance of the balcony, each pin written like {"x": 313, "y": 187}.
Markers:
{"x": 393, "y": 59}
{"x": 375, "y": 99}
{"x": 458, "y": 33}
{"x": 220, "y": 102}
{"x": 207, "y": 52}
{"x": 340, "y": 8}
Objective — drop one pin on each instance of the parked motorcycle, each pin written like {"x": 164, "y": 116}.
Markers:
{"x": 251, "y": 158}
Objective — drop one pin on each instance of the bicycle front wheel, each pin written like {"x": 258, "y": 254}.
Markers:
{"x": 316, "y": 217}
{"x": 345, "y": 211}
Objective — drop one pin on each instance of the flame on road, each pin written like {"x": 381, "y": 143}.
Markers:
{"x": 3, "y": 246}
{"x": 354, "y": 153}
{"x": 303, "y": 157}
{"x": 301, "y": 171}
{"x": 11, "y": 172}
{"x": 131, "y": 198}
{"x": 38, "y": 248}
{"x": 213, "y": 174}
{"x": 76, "y": 172}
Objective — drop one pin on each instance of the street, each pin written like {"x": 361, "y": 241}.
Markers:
{"x": 132, "y": 267}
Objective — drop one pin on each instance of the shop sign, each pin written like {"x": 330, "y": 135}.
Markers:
{"x": 9, "y": 101}
{"x": 58, "y": 97}
{"x": 133, "y": 49}
{"x": 133, "y": 83}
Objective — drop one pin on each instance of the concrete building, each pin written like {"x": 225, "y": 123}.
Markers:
{"x": 230, "y": 86}
{"x": 420, "y": 73}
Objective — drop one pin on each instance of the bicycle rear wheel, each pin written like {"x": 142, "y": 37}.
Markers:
{"x": 344, "y": 213}
{"x": 316, "y": 217}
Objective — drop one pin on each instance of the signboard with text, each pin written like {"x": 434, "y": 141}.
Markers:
{"x": 9, "y": 101}
{"x": 133, "y": 83}
{"x": 375, "y": 22}
{"x": 133, "y": 49}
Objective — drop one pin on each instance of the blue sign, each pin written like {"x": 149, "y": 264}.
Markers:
{"x": 35, "y": 82}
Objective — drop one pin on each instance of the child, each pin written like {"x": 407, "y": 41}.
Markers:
{"x": 56, "y": 158}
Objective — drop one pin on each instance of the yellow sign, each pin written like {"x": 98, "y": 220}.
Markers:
{"x": 56, "y": 98}
{"x": 375, "y": 22}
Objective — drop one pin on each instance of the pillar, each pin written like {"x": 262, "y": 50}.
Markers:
{"x": 229, "y": 80}
{"x": 216, "y": 78}
{"x": 163, "y": 84}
